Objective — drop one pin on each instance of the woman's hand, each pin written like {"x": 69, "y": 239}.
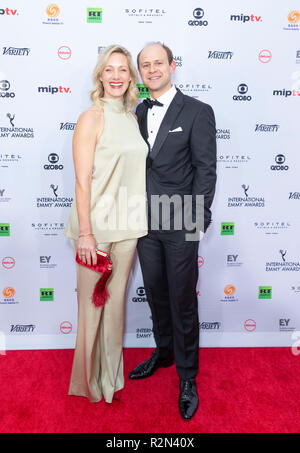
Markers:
{"x": 87, "y": 249}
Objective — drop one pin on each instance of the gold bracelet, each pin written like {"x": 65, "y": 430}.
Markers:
{"x": 84, "y": 235}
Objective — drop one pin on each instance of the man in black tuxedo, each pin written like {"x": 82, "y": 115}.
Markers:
{"x": 181, "y": 135}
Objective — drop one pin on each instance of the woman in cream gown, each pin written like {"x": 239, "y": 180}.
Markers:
{"x": 109, "y": 159}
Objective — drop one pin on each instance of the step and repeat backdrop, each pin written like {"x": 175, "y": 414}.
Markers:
{"x": 242, "y": 58}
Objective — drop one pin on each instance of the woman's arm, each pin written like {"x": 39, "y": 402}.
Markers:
{"x": 87, "y": 132}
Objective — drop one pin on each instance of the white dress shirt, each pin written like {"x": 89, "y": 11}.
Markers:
{"x": 157, "y": 113}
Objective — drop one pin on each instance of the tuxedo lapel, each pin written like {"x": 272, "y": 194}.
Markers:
{"x": 167, "y": 122}
{"x": 142, "y": 120}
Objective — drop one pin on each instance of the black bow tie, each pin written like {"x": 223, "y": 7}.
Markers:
{"x": 150, "y": 103}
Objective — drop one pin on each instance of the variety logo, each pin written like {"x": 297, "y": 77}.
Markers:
{"x": 8, "y": 262}
{"x": 245, "y": 18}
{"x": 198, "y": 14}
{"x": 22, "y": 51}
{"x": 66, "y": 327}
{"x": 242, "y": 90}
{"x": 265, "y": 292}
{"x": 8, "y": 12}
{"x": 220, "y": 55}
{"x": 64, "y": 52}
{"x": 4, "y": 89}
{"x": 67, "y": 126}
{"x": 293, "y": 19}
{"x": 239, "y": 202}
{"x": 283, "y": 265}
{"x": 250, "y": 325}
{"x": 265, "y": 56}
{"x": 141, "y": 295}
{"x": 280, "y": 160}
{"x": 55, "y": 201}
{"x": 54, "y": 90}
{"x": 22, "y": 328}
{"x": 52, "y": 12}
{"x": 15, "y": 132}
{"x": 227, "y": 228}
{"x": 266, "y": 127}
{"x": 294, "y": 196}
{"x": 4, "y": 229}
{"x": 94, "y": 15}
{"x": 143, "y": 91}
{"x": 53, "y": 158}
{"x": 210, "y": 325}
{"x": 46, "y": 294}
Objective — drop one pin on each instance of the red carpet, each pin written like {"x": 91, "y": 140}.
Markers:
{"x": 241, "y": 390}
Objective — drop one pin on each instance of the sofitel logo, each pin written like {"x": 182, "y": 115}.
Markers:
{"x": 283, "y": 265}
{"x": 272, "y": 227}
{"x": 238, "y": 202}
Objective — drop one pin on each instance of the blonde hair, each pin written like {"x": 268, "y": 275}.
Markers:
{"x": 130, "y": 97}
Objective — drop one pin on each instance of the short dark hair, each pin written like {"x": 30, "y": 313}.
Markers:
{"x": 167, "y": 49}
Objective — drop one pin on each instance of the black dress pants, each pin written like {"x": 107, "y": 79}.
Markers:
{"x": 169, "y": 267}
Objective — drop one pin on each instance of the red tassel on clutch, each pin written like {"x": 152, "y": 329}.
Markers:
{"x": 104, "y": 266}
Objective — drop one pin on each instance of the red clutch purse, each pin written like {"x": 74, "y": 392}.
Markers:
{"x": 103, "y": 266}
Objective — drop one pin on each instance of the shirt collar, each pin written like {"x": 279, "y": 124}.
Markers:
{"x": 168, "y": 96}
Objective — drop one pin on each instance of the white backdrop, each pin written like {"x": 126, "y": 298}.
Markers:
{"x": 244, "y": 60}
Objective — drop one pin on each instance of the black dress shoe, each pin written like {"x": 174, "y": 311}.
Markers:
{"x": 188, "y": 399}
{"x": 147, "y": 368}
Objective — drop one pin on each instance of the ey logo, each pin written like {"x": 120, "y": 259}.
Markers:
{"x": 46, "y": 294}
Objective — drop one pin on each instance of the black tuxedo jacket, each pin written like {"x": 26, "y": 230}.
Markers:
{"x": 182, "y": 162}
